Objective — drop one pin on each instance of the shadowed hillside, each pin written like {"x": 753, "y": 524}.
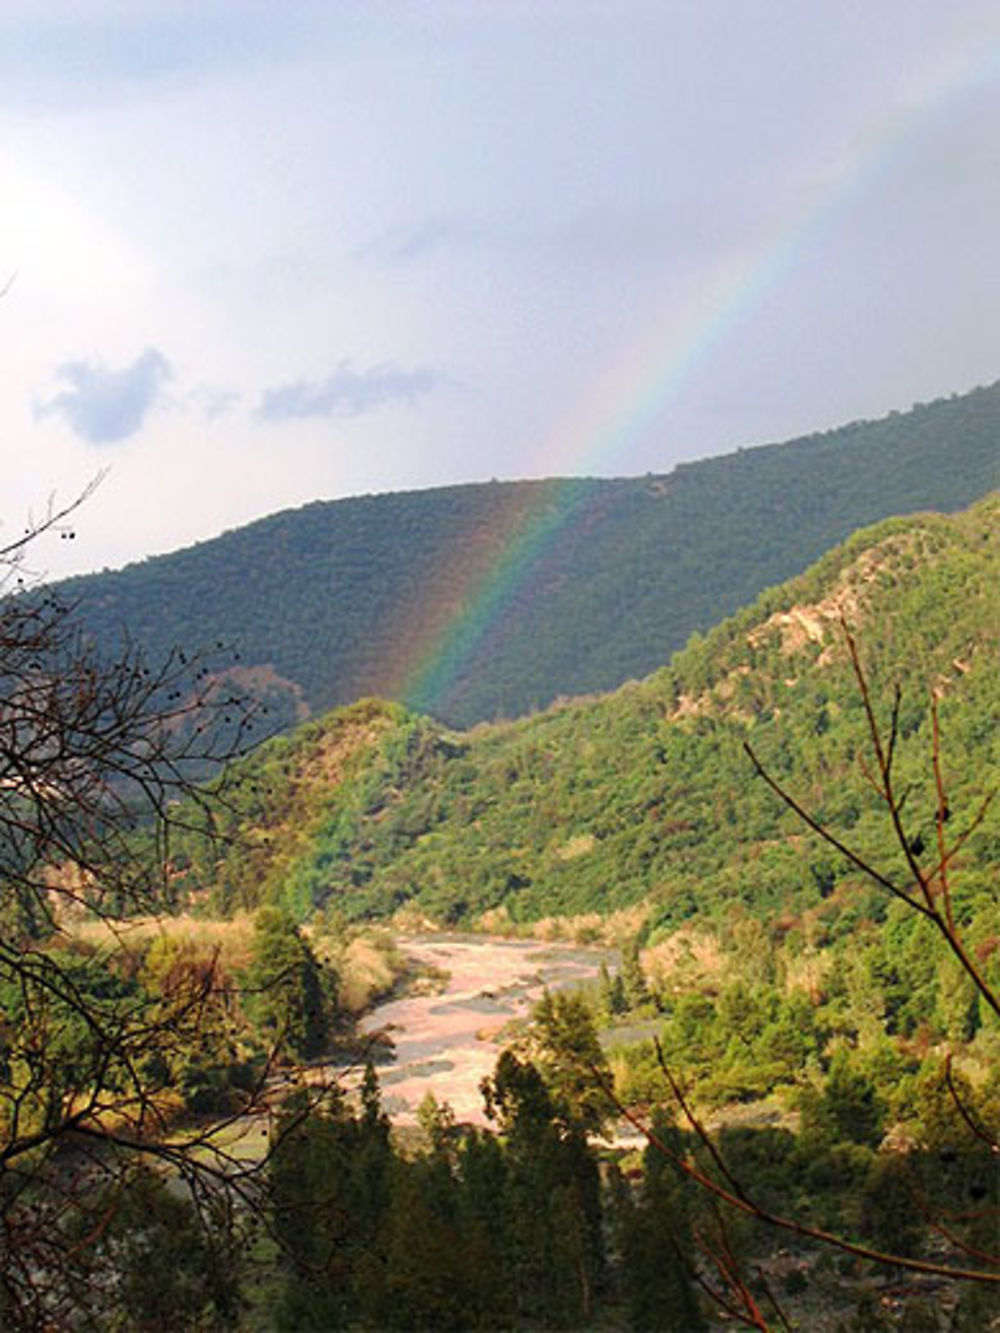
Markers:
{"x": 336, "y": 601}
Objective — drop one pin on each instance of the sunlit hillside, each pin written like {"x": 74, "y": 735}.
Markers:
{"x": 645, "y": 798}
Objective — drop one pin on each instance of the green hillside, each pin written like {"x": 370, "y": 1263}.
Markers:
{"x": 336, "y": 601}
{"x": 644, "y": 798}
{"x": 826, "y": 1053}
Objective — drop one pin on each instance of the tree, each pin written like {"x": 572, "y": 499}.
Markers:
{"x": 848, "y": 1110}
{"x": 632, "y": 976}
{"x": 329, "y": 1187}
{"x": 850, "y": 1106}
{"x": 657, "y": 1245}
{"x": 97, "y": 748}
{"x": 173, "y": 1268}
{"x": 552, "y": 1246}
{"x": 289, "y": 993}
{"x": 566, "y": 1049}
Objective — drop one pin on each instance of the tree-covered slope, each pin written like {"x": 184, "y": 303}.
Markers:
{"x": 339, "y": 600}
{"x": 645, "y": 797}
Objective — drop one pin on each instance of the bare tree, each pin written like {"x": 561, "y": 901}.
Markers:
{"x": 100, "y": 753}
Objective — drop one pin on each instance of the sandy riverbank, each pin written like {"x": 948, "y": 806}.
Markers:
{"x": 449, "y": 1041}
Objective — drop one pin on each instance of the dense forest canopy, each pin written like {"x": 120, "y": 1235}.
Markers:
{"x": 337, "y": 601}
{"x": 643, "y": 799}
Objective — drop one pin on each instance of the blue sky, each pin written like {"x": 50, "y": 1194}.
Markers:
{"x": 266, "y": 254}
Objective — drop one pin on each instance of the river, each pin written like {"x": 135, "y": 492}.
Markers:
{"x": 447, "y": 1042}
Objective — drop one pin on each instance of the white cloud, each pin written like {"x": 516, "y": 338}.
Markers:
{"x": 545, "y": 200}
{"x": 348, "y": 392}
{"x": 104, "y": 406}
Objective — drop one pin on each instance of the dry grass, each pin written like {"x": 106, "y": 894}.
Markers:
{"x": 232, "y": 940}
{"x": 612, "y": 930}
{"x": 579, "y": 845}
{"x": 368, "y": 967}
{"x": 367, "y": 971}
{"x": 688, "y": 956}
{"x": 808, "y": 973}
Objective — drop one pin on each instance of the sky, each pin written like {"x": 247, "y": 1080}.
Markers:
{"x": 256, "y": 255}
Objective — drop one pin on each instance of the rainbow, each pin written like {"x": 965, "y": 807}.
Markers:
{"x": 633, "y": 394}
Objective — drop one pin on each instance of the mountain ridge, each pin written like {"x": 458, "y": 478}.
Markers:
{"x": 343, "y": 599}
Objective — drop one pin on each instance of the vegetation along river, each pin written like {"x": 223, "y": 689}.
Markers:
{"x": 446, "y": 1042}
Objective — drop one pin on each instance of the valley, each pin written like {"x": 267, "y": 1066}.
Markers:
{"x": 772, "y": 865}
{"x": 500, "y": 667}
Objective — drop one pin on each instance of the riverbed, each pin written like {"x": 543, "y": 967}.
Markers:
{"x": 448, "y": 1041}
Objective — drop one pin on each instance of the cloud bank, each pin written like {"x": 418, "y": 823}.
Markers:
{"x": 103, "y": 406}
{"x": 347, "y": 392}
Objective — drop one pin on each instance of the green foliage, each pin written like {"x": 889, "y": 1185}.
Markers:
{"x": 57, "y": 1013}
{"x": 645, "y": 796}
{"x": 571, "y": 1061}
{"x": 333, "y": 602}
{"x": 551, "y": 1200}
{"x": 847, "y": 1110}
{"x": 477, "y": 1232}
{"x": 743, "y": 1041}
{"x": 612, "y": 996}
{"x": 173, "y": 1268}
{"x": 658, "y": 1262}
{"x": 288, "y": 994}
{"x": 823, "y": 993}
{"x": 329, "y": 1180}
{"x": 891, "y": 1207}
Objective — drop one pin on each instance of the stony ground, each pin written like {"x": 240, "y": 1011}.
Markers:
{"x": 448, "y": 1041}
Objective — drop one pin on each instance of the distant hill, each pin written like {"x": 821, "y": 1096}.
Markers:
{"x": 644, "y": 799}
{"x": 339, "y": 600}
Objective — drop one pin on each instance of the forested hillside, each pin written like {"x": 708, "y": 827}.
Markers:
{"x": 830, "y": 1043}
{"x": 645, "y": 798}
{"x": 339, "y": 600}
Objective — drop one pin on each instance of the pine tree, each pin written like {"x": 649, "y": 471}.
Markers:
{"x": 657, "y": 1247}
{"x": 289, "y": 995}
{"x": 552, "y": 1224}
{"x": 571, "y": 1061}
